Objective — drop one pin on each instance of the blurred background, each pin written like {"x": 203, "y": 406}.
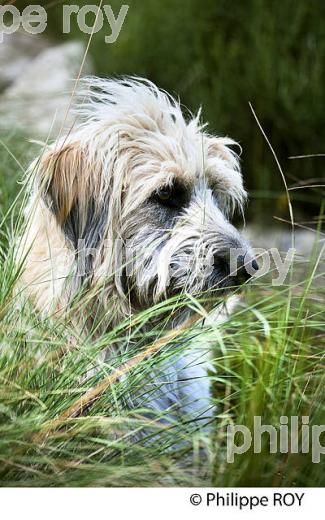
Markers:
{"x": 216, "y": 54}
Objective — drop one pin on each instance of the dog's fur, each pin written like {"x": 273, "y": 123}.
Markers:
{"x": 105, "y": 184}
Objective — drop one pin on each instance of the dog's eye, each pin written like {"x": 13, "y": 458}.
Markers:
{"x": 164, "y": 194}
{"x": 174, "y": 196}
{"x": 170, "y": 197}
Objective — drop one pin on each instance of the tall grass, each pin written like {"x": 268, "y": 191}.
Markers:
{"x": 267, "y": 358}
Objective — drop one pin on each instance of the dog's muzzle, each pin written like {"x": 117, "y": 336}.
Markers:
{"x": 232, "y": 269}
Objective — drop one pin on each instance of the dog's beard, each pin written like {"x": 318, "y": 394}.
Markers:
{"x": 154, "y": 279}
{"x": 181, "y": 259}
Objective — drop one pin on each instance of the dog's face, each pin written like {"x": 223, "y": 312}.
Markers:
{"x": 179, "y": 237}
{"x": 137, "y": 174}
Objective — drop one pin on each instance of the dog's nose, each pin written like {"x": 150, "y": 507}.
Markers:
{"x": 246, "y": 268}
{"x": 243, "y": 269}
{"x": 221, "y": 264}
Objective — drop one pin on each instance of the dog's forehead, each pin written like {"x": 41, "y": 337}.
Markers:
{"x": 195, "y": 174}
{"x": 196, "y": 160}
{"x": 190, "y": 180}
{"x": 190, "y": 172}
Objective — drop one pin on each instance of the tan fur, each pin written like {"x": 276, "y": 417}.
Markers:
{"x": 47, "y": 261}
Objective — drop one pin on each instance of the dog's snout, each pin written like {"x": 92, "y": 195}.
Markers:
{"x": 246, "y": 268}
{"x": 238, "y": 270}
{"x": 221, "y": 263}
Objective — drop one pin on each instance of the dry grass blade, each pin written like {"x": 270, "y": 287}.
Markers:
{"x": 277, "y": 163}
{"x": 94, "y": 393}
{"x": 307, "y": 156}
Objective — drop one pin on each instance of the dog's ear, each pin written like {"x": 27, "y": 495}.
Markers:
{"x": 68, "y": 186}
{"x": 224, "y": 165}
{"x": 221, "y": 147}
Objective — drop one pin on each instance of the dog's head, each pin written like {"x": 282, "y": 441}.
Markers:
{"x": 148, "y": 194}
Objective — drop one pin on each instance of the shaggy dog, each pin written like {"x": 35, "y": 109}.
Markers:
{"x": 133, "y": 206}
